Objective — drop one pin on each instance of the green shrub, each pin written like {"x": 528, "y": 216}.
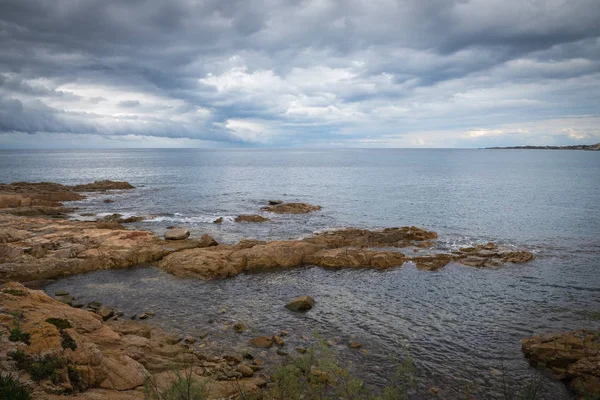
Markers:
{"x": 182, "y": 386}
{"x": 76, "y": 379}
{"x": 67, "y": 341}
{"x": 12, "y": 389}
{"x": 39, "y": 368}
{"x": 60, "y": 323}
{"x": 17, "y": 335}
{"x": 14, "y": 292}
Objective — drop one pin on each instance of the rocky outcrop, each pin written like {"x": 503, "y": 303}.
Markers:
{"x": 389, "y": 237}
{"x": 113, "y": 360}
{"x": 571, "y": 356}
{"x": 291, "y": 208}
{"x": 251, "y": 218}
{"x": 118, "y": 218}
{"x": 177, "y": 234}
{"x": 345, "y": 248}
{"x": 349, "y": 257}
{"x": 45, "y": 198}
{"x": 490, "y": 255}
{"x": 101, "y": 186}
{"x": 40, "y": 248}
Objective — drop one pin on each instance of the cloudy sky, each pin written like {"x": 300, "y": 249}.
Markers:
{"x": 296, "y": 73}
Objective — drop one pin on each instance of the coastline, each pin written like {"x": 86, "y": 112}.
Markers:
{"x": 107, "y": 244}
{"x": 586, "y": 147}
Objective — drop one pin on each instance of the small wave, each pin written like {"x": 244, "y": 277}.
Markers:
{"x": 179, "y": 218}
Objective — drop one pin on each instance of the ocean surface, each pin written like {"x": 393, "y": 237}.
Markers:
{"x": 461, "y": 325}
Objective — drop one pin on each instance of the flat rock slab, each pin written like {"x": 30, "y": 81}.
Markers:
{"x": 177, "y": 234}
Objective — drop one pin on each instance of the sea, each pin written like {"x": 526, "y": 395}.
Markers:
{"x": 461, "y": 326}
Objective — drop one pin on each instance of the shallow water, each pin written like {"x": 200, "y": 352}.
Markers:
{"x": 460, "y": 324}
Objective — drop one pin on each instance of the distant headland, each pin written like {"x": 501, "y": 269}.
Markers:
{"x": 589, "y": 147}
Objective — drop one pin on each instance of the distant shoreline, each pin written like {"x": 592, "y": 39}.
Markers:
{"x": 588, "y": 147}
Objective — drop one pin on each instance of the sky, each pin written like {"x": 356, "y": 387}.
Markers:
{"x": 295, "y": 73}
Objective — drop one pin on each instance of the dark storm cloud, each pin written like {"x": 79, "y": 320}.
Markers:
{"x": 274, "y": 72}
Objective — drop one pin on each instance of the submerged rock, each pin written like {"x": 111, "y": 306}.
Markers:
{"x": 302, "y": 303}
{"x": 177, "y": 234}
{"x": 218, "y": 220}
{"x": 274, "y": 202}
{"x": 490, "y": 255}
{"x": 262, "y": 341}
{"x": 573, "y": 357}
{"x": 291, "y": 208}
{"x": 251, "y": 218}
{"x": 102, "y": 186}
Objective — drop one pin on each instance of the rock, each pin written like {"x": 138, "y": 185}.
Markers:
{"x": 245, "y": 370}
{"x": 354, "y": 345}
{"x": 65, "y": 299}
{"x": 143, "y": 316}
{"x": 239, "y": 327}
{"x": 251, "y": 218}
{"x": 389, "y": 237}
{"x": 108, "y": 201}
{"x": 61, "y": 293}
{"x": 218, "y": 220}
{"x": 282, "y": 352}
{"x": 280, "y": 342}
{"x": 302, "y": 303}
{"x": 262, "y": 341}
{"x": 291, "y": 208}
{"x": 207, "y": 241}
{"x": 233, "y": 357}
{"x": 122, "y": 372}
{"x": 356, "y": 258}
{"x": 301, "y": 350}
{"x": 572, "y": 356}
{"x": 102, "y": 186}
{"x": 50, "y": 248}
{"x": 189, "y": 339}
{"x": 105, "y": 312}
{"x": 274, "y": 202}
{"x": 432, "y": 262}
{"x": 248, "y": 243}
{"x": 490, "y": 255}
{"x": 177, "y": 234}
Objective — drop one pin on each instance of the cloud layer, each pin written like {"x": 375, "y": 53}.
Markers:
{"x": 299, "y": 73}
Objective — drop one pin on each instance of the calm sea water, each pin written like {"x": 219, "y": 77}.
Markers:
{"x": 463, "y": 326}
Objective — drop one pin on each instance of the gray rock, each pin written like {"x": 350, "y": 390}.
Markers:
{"x": 177, "y": 234}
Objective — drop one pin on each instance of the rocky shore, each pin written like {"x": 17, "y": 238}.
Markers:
{"x": 65, "y": 352}
{"x": 573, "y": 357}
{"x": 115, "y": 359}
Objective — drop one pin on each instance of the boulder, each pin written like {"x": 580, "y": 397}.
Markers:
{"x": 274, "y": 202}
{"x": 245, "y": 370}
{"x": 291, "y": 208}
{"x": 207, "y": 241}
{"x": 251, "y": 218}
{"x": 218, "y": 220}
{"x": 302, "y": 303}
{"x": 177, "y": 234}
{"x": 354, "y": 345}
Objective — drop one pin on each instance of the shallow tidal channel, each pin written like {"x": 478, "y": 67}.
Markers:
{"x": 461, "y": 325}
